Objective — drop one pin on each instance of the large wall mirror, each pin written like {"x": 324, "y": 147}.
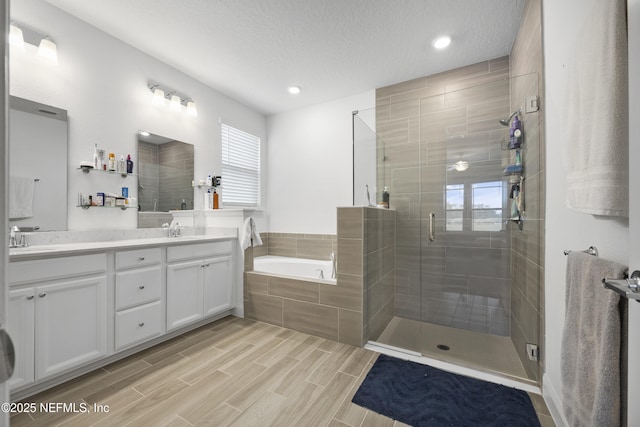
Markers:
{"x": 37, "y": 166}
{"x": 165, "y": 175}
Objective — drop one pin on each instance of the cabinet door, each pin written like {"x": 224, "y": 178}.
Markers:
{"x": 20, "y": 325}
{"x": 184, "y": 293}
{"x": 217, "y": 285}
{"x": 71, "y": 324}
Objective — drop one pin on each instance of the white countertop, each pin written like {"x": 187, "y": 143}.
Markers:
{"x": 74, "y": 248}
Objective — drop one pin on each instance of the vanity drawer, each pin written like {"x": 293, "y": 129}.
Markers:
{"x": 56, "y": 268}
{"x": 138, "y": 324}
{"x": 138, "y": 258}
{"x": 138, "y": 286}
{"x": 199, "y": 250}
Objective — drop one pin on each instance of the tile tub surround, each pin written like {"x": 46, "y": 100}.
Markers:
{"x": 365, "y": 250}
{"x": 297, "y": 245}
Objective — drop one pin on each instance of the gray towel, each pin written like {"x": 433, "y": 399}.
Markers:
{"x": 591, "y": 343}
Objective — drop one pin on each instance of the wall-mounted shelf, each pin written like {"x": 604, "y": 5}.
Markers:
{"x": 124, "y": 208}
{"x": 87, "y": 169}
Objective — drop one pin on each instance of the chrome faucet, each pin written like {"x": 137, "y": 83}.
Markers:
{"x": 334, "y": 261}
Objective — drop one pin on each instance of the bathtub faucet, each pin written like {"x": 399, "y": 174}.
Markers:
{"x": 333, "y": 264}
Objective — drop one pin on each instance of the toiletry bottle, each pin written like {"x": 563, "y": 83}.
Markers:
{"x": 216, "y": 200}
{"x": 183, "y": 205}
{"x": 112, "y": 161}
{"x": 122, "y": 165}
{"x": 207, "y": 201}
{"x": 209, "y": 180}
{"x": 385, "y": 197}
{"x": 517, "y": 132}
{"x": 95, "y": 157}
{"x": 129, "y": 164}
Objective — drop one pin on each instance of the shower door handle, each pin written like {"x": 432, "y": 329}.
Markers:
{"x": 432, "y": 226}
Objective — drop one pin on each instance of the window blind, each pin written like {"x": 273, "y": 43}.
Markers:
{"x": 240, "y": 167}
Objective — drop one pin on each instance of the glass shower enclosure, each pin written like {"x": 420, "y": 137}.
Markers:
{"x": 458, "y": 182}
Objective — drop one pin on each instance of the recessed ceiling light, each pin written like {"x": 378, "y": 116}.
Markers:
{"x": 144, "y": 133}
{"x": 294, "y": 90}
{"x": 441, "y": 42}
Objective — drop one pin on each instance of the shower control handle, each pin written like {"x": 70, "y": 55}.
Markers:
{"x": 432, "y": 226}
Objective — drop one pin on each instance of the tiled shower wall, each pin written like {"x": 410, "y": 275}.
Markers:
{"x": 427, "y": 124}
{"x": 527, "y": 250}
{"x": 297, "y": 245}
{"x": 366, "y": 240}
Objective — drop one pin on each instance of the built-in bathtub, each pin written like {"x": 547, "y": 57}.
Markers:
{"x": 295, "y": 268}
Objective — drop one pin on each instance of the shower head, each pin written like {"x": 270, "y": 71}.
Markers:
{"x": 506, "y": 122}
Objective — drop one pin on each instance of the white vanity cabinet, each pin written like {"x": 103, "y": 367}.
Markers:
{"x": 138, "y": 296}
{"x": 199, "y": 282}
{"x": 57, "y": 314}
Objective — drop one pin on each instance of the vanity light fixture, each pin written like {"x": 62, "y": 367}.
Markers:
{"x": 294, "y": 90}
{"x": 441, "y": 42}
{"x": 19, "y": 35}
{"x": 176, "y": 99}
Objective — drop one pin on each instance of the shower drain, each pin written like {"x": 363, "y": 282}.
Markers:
{"x": 443, "y": 347}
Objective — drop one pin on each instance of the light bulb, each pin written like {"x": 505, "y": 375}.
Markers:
{"x": 175, "y": 103}
{"x": 16, "y": 39}
{"x": 48, "y": 50}
{"x": 191, "y": 109}
{"x": 294, "y": 90}
{"x": 158, "y": 96}
{"x": 461, "y": 165}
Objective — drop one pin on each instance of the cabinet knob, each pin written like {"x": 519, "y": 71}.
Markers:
{"x": 141, "y": 324}
{"x": 141, "y": 258}
{"x": 30, "y": 297}
{"x": 208, "y": 265}
{"x": 141, "y": 287}
{"x": 42, "y": 294}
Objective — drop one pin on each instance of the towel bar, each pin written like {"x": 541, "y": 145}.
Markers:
{"x": 591, "y": 251}
{"x": 628, "y": 288}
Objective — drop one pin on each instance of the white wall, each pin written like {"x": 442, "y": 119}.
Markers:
{"x": 102, "y": 83}
{"x": 565, "y": 229}
{"x": 309, "y": 161}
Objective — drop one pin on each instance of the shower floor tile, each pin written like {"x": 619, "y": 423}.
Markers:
{"x": 475, "y": 350}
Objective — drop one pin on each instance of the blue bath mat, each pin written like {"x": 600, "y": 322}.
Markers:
{"x": 420, "y": 395}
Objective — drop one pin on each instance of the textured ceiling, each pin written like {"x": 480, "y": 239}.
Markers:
{"x": 252, "y": 50}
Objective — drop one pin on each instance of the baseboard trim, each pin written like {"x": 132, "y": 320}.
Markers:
{"x": 553, "y": 401}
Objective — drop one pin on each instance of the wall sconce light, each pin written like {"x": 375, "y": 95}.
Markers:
{"x": 19, "y": 35}
{"x": 176, "y": 100}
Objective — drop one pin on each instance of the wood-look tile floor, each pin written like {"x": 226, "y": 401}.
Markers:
{"x": 233, "y": 372}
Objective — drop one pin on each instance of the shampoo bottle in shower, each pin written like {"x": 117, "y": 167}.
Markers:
{"x": 385, "y": 197}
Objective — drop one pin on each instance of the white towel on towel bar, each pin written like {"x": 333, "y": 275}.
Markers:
{"x": 250, "y": 234}
{"x": 597, "y": 138}
{"x": 21, "y": 190}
